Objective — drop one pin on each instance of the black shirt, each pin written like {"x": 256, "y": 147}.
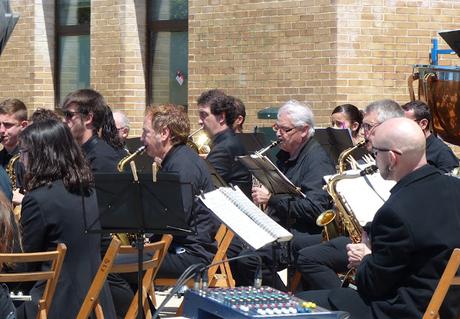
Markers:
{"x": 440, "y": 155}
{"x": 192, "y": 169}
{"x": 306, "y": 171}
{"x": 225, "y": 147}
{"x": 101, "y": 156}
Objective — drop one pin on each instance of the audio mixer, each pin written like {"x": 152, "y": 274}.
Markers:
{"x": 250, "y": 302}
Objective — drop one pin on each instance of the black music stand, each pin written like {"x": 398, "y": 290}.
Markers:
{"x": 129, "y": 206}
{"x": 334, "y": 141}
{"x": 277, "y": 184}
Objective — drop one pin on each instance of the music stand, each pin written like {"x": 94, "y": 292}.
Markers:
{"x": 334, "y": 141}
{"x": 141, "y": 206}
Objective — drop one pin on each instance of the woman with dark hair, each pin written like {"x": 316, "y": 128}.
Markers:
{"x": 8, "y": 235}
{"x": 348, "y": 116}
{"x": 59, "y": 196}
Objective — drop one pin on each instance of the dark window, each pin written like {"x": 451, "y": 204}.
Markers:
{"x": 168, "y": 53}
{"x": 72, "y": 46}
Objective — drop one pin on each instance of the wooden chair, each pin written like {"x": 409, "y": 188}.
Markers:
{"x": 219, "y": 275}
{"x": 151, "y": 266}
{"x": 448, "y": 278}
{"x": 55, "y": 257}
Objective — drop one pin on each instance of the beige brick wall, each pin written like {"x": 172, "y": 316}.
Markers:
{"x": 118, "y": 56}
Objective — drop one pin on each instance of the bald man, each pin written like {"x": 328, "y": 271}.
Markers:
{"x": 412, "y": 235}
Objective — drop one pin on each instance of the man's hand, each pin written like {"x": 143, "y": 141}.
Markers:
{"x": 17, "y": 197}
{"x": 260, "y": 195}
{"x": 356, "y": 253}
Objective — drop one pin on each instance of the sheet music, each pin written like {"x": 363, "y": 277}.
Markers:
{"x": 243, "y": 217}
{"x": 269, "y": 175}
{"x": 363, "y": 199}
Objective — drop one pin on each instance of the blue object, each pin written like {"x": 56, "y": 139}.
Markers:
{"x": 435, "y": 52}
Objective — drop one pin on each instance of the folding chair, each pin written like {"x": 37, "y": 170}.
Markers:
{"x": 219, "y": 275}
{"x": 56, "y": 257}
{"x": 151, "y": 266}
{"x": 448, "y": 278}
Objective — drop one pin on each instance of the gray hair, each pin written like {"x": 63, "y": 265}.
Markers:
{"x": 124, "y": 119}
{"x": 300, "y": 115}
{"x": 385, "y": 109}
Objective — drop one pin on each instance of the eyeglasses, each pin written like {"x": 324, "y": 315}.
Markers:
{"x": 368, "y": 127}
{"x": 283, "y": 130}
{"x": 69, "y": 114}
{"x": 375, "y": 150}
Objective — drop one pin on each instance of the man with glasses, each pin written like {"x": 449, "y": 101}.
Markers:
{"x": 122, "y": 124}
{"x": 319, "y": 264}
{"x": 303, "y": 160}
{"x": 412, "y": 235}
{"x": 438, "y": 154}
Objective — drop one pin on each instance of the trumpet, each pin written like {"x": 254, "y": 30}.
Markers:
{"x": 122, "y": 163}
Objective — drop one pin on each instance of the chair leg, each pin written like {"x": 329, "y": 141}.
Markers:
{"x": 295, "y": 281}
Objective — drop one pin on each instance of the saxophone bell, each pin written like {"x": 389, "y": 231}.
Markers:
{"x": 329, "y": 222}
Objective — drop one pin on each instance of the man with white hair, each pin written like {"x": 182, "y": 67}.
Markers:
{"x": 122, "y": 124}
{"x": 303, "y": 160}
{"x": 412, "y": 235}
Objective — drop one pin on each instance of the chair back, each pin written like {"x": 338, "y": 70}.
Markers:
{"x": 448, "y": 278}
{"x": 158, "y": 251}
{"x": 55, "y": 257}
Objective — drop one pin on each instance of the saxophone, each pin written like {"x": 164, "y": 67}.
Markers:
{"x": 341, "y": 167}
{"x": 343, "y": 221}
{"x": 12, "y": 175}
{"x": 127, "y": 238}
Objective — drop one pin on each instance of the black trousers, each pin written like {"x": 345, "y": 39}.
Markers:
{"x": 274, "y": 257}
{"x": 344, "y": 299}
{"x": 319, "y": 264}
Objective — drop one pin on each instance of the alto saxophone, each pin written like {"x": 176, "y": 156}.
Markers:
{"x": 127, "y": 238}
{"x": 14, "y": 184}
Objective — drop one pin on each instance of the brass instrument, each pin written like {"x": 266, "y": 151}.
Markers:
{"x": 127, "y": 238}
{"x": 125, "y": 160}
{"x": 12, "y": 175}
{"x": 343, "y": 156}
{"x": 342, "y": 221}
{"x": 199, "y": 141}
{"x": 267, "y": 148}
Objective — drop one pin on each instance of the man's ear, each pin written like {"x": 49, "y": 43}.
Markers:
{"x": 23, "y": 124}
{"x": 423, "y": 124}
{"x": 165, "y": 134}
{"x": 221, "y": 118}
{"x": 304, "y": 130}
{"x": 88, "y": 119}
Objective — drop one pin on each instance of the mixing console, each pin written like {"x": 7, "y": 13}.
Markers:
{"x": 249, "y": 302}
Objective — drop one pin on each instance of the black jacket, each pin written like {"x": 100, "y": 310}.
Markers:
{"x": 225, "y": 147}
{"x": 52, "y": 215}
{"x": 440, "y": 155}
{"x": 192, "y": 169}
{"x": 101, "y": 156}
{"x": 305, "y": 171}
{"x": 413, "y": 235}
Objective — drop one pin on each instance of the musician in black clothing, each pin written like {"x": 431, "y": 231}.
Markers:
{"x": 13, "y": 119}
{"x": 305, "y": 163}
{"x": 165, "y": 134}
{"x": 216, "y": 114}
{"x": 86, "y": 113}
{"x": 438, "y": 154}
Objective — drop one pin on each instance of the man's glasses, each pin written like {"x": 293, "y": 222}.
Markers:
{"x": 283, "y": 130}
{"x": 69, "y": 114}
{"x": 375, "y": 150}
{"x": 367, "y": 127}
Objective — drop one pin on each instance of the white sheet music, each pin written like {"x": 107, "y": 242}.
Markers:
{"x": 243, "y": 217}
